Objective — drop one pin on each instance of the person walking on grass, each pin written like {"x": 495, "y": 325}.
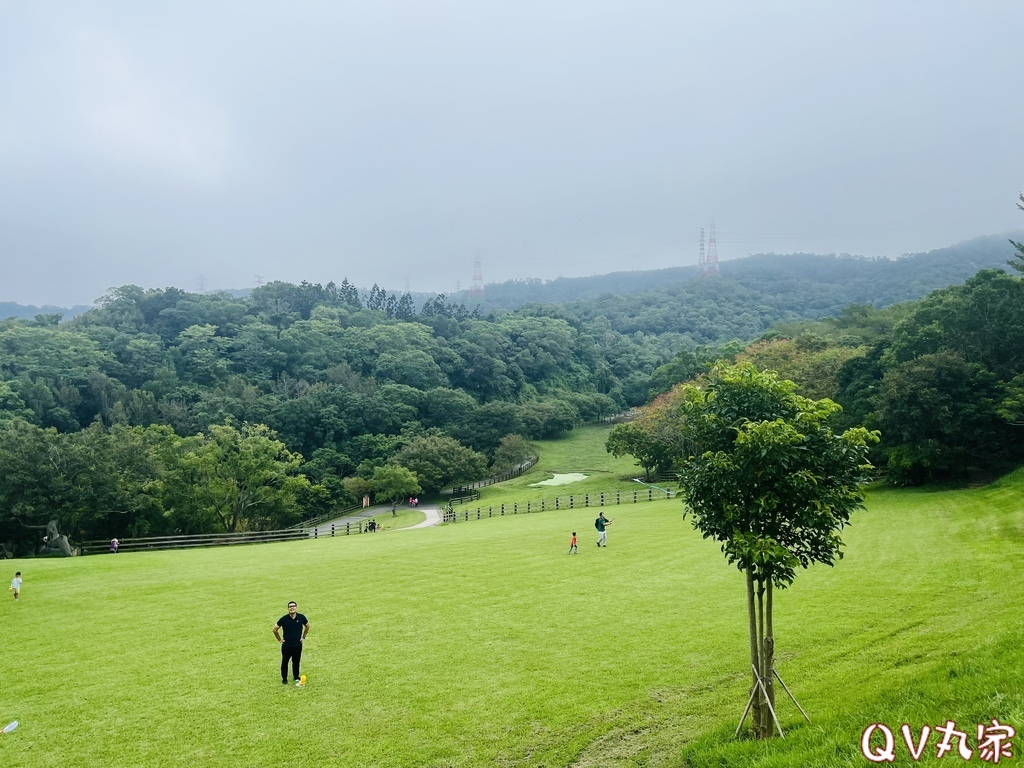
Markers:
{"x": 16, "y": 585}
{"x": 572, "y": 545}
{"x": 295, "y": 627}
{"x": 601, "y": 524}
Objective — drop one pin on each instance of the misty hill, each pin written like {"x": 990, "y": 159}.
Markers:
{"x": 837, "y": 280}
{"x": 825, "y": 283}
{"x": 29, "y": 311}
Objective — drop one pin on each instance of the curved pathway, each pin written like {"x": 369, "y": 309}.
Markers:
{"x": 433, "y": 518}
{"x": 382, "y": 511}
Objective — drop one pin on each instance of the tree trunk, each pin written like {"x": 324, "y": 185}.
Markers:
{"x": 765, "y": 724}
{"x": 768, "y": 651}
{"x": 755, "y": 661}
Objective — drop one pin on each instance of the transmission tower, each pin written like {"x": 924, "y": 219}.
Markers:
{"x": 477, "y": 290}
{"x": 707, "y": 263}
{"x": 711, "y": 264}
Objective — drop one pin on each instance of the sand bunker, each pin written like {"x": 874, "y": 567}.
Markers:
{"x": 571, "y": 477}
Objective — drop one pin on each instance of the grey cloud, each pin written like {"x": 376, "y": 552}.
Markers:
{"x": 391, "y": 141}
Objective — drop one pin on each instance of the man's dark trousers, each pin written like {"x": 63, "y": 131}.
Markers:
{"x": 293, "y": 652}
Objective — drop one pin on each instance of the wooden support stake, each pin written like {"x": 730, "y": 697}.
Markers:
{"x": 768, "y": 702}
{"x": 750, "y": 701}
{"x": 791, "y": 696}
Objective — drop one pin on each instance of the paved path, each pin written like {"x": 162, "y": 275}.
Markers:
{"x": 433, "y": 518}
{"x": 383, "y": 511}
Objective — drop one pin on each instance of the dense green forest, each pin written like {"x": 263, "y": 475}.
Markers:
{"x": 164, "y": 411}
{"x": 941, "y": 378}
{"x": 267, "y": 403}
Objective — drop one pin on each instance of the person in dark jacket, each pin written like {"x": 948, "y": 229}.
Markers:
{"x": 295, "y": 627}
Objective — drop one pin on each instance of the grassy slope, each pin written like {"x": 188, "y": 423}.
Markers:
{"x": 484, "y": 644}
{"x": 582, "y": 450}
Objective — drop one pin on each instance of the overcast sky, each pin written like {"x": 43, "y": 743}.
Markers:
{"x": 208, "y": 144}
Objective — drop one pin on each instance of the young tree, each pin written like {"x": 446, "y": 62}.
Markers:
{"x": 391, "y": 483}
{"x": 766, "y": 477}
{"x": 243, "y": 479}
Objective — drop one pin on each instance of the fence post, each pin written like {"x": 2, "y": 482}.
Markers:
{"x": 634, "y": 497}
{"x": 556, "y": 502}
{"x": 515, "y": 508}
{"x": 466, "y": 519}
{"x": 478, "y": 513}
{"x": 650, "y": 494}
{"x": 572, "y": 502}
{"x": 542, "y": 508}
{"x": 489, "y": 510}
{"x": 315, "y": 532}
{"x": 602, "y": 498}
{"x": 586, "y": 499}
{"x": 346, "y": 528}
{"x": 332, "y": 530}
{"x": 527, "y": 507}
{"x": 616, "y": 498}
{"x": 503, "y": 510}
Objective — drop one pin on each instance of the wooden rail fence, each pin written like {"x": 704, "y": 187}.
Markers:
{"x": 189, "y": 541}
{"x": 607, "y": 499}
{"x": 514, "y": 472}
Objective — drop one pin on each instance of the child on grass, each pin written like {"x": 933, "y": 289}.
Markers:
{"x": 572, "y": 545}
{"x": 16, "y": 585}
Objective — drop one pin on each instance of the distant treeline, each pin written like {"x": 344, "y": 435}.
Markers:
{"x": 815, "y": 283}
{"x": 808, "y": 285}
{"x": 10, "y": 309}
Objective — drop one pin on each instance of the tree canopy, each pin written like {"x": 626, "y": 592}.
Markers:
{"x": 439, "y": 461}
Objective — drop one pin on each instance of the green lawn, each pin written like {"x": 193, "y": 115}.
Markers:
{"x": 582, "y": 451}
{"x": 484, "y": 644}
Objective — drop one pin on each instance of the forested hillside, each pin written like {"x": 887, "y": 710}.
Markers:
{"x": 798, "y": 283}
{"x": 756, "y": 293}
{"x": 801, "y": 283}
{"x": 165, "y": 411}
{"x": 942, "y": 379}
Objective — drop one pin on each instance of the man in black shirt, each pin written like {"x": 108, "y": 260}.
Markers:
{"x": 295, "y": 627}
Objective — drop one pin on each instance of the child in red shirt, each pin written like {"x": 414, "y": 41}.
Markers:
{"x": 572, "y": 545}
